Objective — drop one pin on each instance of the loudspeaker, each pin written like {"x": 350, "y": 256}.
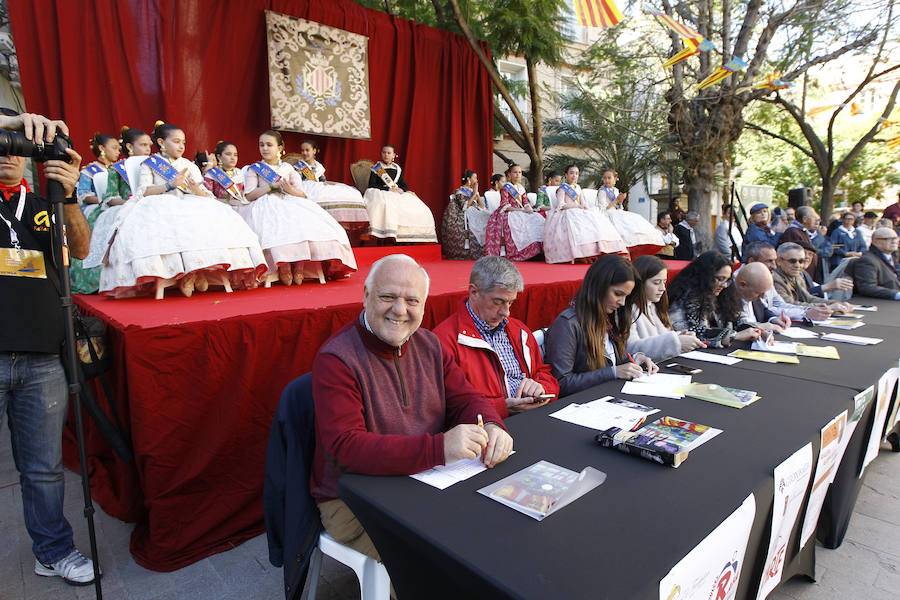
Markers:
{"x": 799, "y": 197}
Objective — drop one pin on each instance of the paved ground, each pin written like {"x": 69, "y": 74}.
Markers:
{"x": 866, "y": 566}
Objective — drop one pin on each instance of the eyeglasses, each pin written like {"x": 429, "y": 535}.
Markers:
{"x": 795, "y": 261}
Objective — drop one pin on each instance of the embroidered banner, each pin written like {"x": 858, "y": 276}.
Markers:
{"x": 318, "y": 78}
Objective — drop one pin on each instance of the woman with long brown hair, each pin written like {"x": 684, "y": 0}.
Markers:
{"x": 651, "y": 331}
{"x": 586, "y": 344}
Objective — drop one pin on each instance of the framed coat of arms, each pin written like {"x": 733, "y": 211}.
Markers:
{"x": 318, "y": 78}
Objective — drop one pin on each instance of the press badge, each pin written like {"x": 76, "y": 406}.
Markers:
{"x": 16, "y": 262}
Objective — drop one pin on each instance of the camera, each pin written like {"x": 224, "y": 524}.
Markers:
{"x": 14, "y": 143}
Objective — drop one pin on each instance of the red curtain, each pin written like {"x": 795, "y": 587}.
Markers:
{"x": 202, "y": 65}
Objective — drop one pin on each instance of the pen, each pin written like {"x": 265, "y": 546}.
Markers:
{"x": 630, "y": 358}
{"x": 639, "y": 423}
{"x": 480, "y": 420}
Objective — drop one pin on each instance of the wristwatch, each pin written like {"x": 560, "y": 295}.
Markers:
{"x": 73, "y": 199}
{"x": 169, "y": 187}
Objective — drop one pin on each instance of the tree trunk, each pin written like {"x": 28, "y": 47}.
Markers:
{"x": 827, "y": 206}
{"x": 536, "y": 170}
{"x": 698, "y": 183}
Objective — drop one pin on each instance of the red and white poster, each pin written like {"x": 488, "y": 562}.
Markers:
{"x": 791, "y": 480}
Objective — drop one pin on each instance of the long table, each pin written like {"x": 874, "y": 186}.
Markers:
{"x": 619, "y": 540}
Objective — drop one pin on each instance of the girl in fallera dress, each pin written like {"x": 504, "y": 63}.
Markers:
{"x": 641, "y": 236}
{"x": 395, "y": 212}
{"x": 573, "y": 231}
{"x": 542, "y": 203}
{"x": 465, "y": 221}
{"x": 226, "y": 156}
{"x": 342, "y": 201}
{"x": 498, "y": 180}
{"x": 173, "y": 232}
{"x": 515, "y": 230}
{"x": 106, "y": 148}
{"x": 299, "y": 238}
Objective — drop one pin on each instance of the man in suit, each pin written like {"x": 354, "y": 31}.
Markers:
{"x": 753, "y": 281}
{"x": 688, "y": 246}
{"x": 875, "y": 272}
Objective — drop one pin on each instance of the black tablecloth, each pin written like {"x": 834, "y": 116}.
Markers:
{"x": 619, "y": 540}
{"x": 888, "y": 312}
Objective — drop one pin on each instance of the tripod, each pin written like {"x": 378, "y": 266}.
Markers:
{"x": 56, "y": 196}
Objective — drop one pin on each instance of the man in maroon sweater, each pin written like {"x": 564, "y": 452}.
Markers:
{"x": 384, "y": 391}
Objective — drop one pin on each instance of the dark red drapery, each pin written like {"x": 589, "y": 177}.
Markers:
{"x": 201, "y": 64}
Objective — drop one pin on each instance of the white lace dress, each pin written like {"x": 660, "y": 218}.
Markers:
{"x": 634, "y": 229}
{"x": 293, "y": 229}
{"x": 578, "y": 233}
{"x": 166, "y": 236}
{"x": 342, "y": 201}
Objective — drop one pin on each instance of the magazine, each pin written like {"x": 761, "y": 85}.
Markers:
{"x": 666, "y": 441}
{"x": 720, "y": 394}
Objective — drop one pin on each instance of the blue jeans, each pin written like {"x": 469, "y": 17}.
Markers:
{"x": 34, "y": 396}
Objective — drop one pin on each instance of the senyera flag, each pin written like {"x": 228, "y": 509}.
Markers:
{"x": 597, "y": 13}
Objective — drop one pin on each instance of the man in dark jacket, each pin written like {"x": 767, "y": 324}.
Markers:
{"x": 688, "y": 245}
{"x": 875, "y": 272}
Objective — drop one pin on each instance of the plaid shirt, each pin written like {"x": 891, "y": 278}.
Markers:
{"x": 500, "y": 342}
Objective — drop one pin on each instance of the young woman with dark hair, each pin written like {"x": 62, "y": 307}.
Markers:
{"x": 300, "y": 239}
{"x": 586, "y": 344}
{"x": 651, "y": 331}
{"x": 465, "y": 221}
{"x": 106, "y": 150}
{"x": 702, "y": 300}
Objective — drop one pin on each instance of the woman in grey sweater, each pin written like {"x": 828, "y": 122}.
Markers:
{"x": 651, "y": 331}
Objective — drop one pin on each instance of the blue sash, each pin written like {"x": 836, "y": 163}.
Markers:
{"x": 219, "y": 176}
{"x": 119, "y": 167}
{"x": 305, "y": 170}
{"x": 266, "y": 172}
{"x": 382, "y": 173}
{"x": 610, "y": 193}
{"x": 465, "y": 191}
{"x": 512, "y": 191}
{"x": 569, "y": 190}
{"x": 92, "y": 169}
{"x": 162, "y": 166}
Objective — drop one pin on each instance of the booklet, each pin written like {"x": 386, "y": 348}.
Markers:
{"x": 543, "y": 488}
{"x": 771, "y": 345}
{"x": 666, "y": 441}
{"x": 769, "y": 357}
{"x": 818, "y": 351}
{"x": 709, "y": 357}
{"x": 443, "y": 476}
{"x": 720, "y": 394}
{"x": 605, "y": 413}
{"x": 850, "y": 339}
{"x": 798, "y": 333}
{"x": 840, "y": 323}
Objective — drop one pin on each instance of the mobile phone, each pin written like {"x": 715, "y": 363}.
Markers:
{"x": 683, "y": 369}
{"x": 543, "y": 397}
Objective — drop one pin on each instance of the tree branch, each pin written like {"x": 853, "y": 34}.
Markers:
{"x": 854, "y": 152}
{"x": 516, "y": 136}
{"x": 772, "y": 134}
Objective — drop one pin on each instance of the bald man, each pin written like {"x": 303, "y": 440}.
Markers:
{"x": 752, "y": 282}
{"x": 384, "y": 393}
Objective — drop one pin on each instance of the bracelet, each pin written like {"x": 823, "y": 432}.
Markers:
{"x": 70, "y": 200}
{"x": 169, "y": 187}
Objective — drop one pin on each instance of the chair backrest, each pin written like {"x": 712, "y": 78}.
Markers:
{"x": 132, "y": 169}
{"x": 539, "y": 338}
{"x": 551, "y": 193}
{"x": 844, "y": 269}
{"x": 590, "y": 196}
{"x": 492, "y": 200}
{"x": 532, "y": 198}
{"x": 100, "y": 180}
{"x": 360, "y": 172}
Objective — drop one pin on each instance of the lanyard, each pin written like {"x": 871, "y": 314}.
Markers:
{"x": 13, "y": 236}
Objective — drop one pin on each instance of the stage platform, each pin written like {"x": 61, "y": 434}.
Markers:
{"x": 196, "y": 381}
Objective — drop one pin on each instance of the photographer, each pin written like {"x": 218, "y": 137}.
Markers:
{"x": 33, "y": 387}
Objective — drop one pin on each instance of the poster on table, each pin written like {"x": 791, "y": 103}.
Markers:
{"x": 860, "y": 402}
{"x": 791, "y": 480}
{"x": 318, "y": 78}
{"x": 712, "y": 569}
{"x": 829, "y": 459}
{"x": 883, "y": 399}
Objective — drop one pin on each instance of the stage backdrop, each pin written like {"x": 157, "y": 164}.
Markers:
{"x": 202, "y": 65}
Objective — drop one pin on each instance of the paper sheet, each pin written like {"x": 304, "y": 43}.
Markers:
{"x": 798, "y": 333}
{"x": 602, "y": 414}
{"x": 882, "y": 402}
{"x": 781, "y": 347}
{"x": 829, "y": 458}
{"x": 850, "y": 339}
{"x": 674, "y": 381}
{"x": 791, "y": 480}
{"x": 840, "y": 323}
{"x": 856, "y": 307}
{"x": 443, "y": 476}
{"x": 769, "y": 357}
{"x": 657, "y": 390}
{"x": 818, "y": 351}
{"x": 712, "y": 569}
{"x": 709, "y": 357}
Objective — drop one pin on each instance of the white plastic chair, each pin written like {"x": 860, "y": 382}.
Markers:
{"x": 374, "y": 582}
{"x": 590, "y": 197}
{"x": 492, "y": 200}
{"x": 132, "y": 169}
{"x": 539, "y": 338}
{"x": 100, "y": 180}
{"x": 551, "y": 193}
{"x": 532, "y": 198}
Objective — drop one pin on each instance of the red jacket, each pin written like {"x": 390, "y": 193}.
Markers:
{"x": 480, "y": 362}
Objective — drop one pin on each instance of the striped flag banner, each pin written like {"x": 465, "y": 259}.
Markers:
{"x": 885, "y": 123}
{"x": 597, "y": 13}
{"x": 894, "y": 142}
{"x": 717, "y": 76}
{"x": 692, "y": 46}
{"x": 679, "y": 28}
{"x": 818, "y": 111}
